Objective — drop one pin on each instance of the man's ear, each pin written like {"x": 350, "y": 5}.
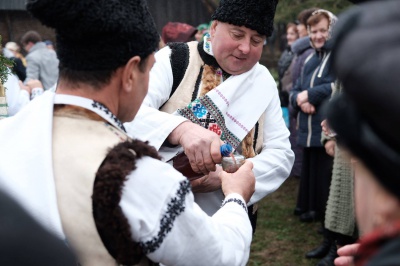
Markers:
{"x": 212, "y": 27}
{"x": 130, "y": 73}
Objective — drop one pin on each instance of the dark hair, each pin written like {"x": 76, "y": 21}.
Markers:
{"x": 31, "y": 36}
{"x": 315, "y": 19}
{"x": 292, "y": 25}
{"x": 305, "y": 14}
{"x": 94, "y": 78}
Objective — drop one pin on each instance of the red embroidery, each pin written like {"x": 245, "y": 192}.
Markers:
{"x": 215, "y": 128}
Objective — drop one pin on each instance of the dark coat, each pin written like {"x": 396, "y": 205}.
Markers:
{"x": 284, "y": 63}
{"x": 301, "y": 49}
{"x": 318, "y": 78}
{"x": 19, "y": 69}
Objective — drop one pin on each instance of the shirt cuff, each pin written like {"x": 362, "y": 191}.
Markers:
{"x": 234, "y": 198}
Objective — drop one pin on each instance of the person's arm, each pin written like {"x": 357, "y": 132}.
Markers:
{"x": 326, "y": 85}
{"x": 173, "y": 230}
{"x": 32, "y": 69}
{"x": 294, "y": 92}
{"x": 273, "y": 165}
{"x": 18, "y": 95}
{"x": 320, "y": 93}
{"x": 199, "y": 144}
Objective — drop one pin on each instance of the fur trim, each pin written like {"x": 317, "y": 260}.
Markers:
{"x": 111, "y": 223}
{"x": 179, "y": 62}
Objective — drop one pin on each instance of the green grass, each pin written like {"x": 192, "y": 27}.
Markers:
{"x": 280, "y": 238}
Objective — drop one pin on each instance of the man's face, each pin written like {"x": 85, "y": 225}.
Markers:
{"x": 319, "y": 33}
{"x": 27, "y": 46}
{"x": 132, "y": 100}
{"x": 236, "y": 49}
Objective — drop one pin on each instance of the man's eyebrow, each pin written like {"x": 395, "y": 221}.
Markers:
{"x": 242, "y": 31}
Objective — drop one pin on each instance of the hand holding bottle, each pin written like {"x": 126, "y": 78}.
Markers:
{"x": 241, "y": 182}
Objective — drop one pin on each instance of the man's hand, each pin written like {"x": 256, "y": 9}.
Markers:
{"x": 302, "y": 97}
{"x": 24, "y": 87}
{"x": 207, "y": 183}
{"x": 330, "y": 147}
{"x": 242, "y": 181}
{"x": 307, "y": 108}
{"x": 34, "y": 83}
{"x": 346, "y": 255}
{"x": 325, "y": 127}
{"x": 201, "y": 146}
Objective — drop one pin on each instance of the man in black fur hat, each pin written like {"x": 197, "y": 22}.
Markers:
{"x": 118, "y": 205}
{"x": 226, "y": 96}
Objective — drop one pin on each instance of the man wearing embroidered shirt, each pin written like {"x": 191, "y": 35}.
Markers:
{"x": 78, "y": 173}
{"x": 219, "y": 85}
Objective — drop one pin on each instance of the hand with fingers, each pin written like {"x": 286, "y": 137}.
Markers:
{"x": 207, "y": 183}
{"x": 201, "y": 146}
{"x": 241, "y": 182}
{"x": 346, "y": 255}
{"x": 330, "y": 147}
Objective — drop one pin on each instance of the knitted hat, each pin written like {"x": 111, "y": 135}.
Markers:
{"x": 366, "y": 116}
{"x": 98, "y": 34}
{"x": 257, "y": 15}
{"x": 178, "y": 32}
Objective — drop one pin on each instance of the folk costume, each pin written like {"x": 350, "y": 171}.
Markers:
{"x": 108, "y": 197}
{"x": 187, "y": 82}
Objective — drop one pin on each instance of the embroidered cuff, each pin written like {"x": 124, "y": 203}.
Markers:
{"x": 236, "y": 198}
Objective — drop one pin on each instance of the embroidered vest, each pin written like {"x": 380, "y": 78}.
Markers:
{"x": 193, "y": 78}
{"x": 74, "y": 181}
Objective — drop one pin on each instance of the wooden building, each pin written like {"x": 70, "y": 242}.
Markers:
{"x": 15, "y": 20}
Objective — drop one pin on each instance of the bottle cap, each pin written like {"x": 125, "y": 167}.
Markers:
{"x": 226, "y": 149}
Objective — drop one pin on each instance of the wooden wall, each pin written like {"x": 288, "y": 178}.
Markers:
{"x": 13, "y": 24}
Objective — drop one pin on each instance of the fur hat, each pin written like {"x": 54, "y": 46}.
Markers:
{"x": 178, "y": 32}
{"x": 98, "y": 34}
{"x": 257, "y": 15}
{"x": 366, "y": 116}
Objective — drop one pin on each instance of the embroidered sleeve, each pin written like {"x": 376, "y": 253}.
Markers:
{"x": 175, "y": 207}
{"x": 235, "y": 198}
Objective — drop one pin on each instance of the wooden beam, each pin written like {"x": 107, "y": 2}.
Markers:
{"x": 211, "y": 5}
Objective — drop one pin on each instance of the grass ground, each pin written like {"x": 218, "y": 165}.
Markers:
{"x": 280, "y": 239}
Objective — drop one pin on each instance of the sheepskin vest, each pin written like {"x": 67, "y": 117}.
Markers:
{"x": 194, "y": 74}
{"x": 74, "y": 181}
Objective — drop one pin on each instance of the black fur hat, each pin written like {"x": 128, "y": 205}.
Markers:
{"x": 257, "y": 15}
{"x": 366, "y": 117}
{"x": 98, "y": 34}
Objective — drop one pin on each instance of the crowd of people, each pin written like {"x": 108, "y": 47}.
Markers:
{"x": 102, "y": 178}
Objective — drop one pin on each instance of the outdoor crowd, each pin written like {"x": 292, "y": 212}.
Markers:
{"x": 111, "y": 146}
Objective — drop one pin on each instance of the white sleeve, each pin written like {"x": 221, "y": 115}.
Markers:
{"x": 274, "y": 163}
{"x": 150, "y": 124}
{"x": 161, "y": 79}
{"x": 16, "y": 98}
{"x": 173, "y": 230}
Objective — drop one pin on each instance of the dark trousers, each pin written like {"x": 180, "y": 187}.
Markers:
{"x": 315, "y": 179}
